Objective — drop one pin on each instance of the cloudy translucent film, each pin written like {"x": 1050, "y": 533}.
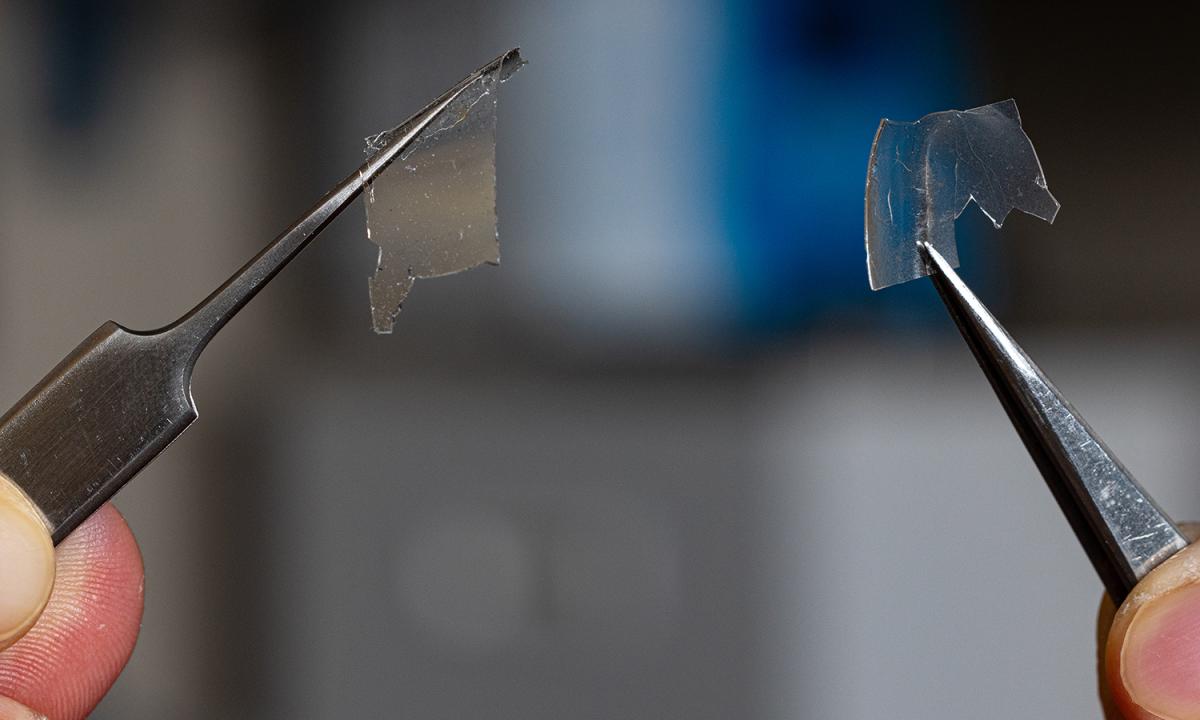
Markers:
{"x": 432, "y": 212}
{"x": 922, "y": 174}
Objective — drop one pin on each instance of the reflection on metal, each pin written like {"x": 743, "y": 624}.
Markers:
{"x": 1123, "y": 531}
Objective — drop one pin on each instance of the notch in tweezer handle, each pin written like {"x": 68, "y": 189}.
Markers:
{"x": 1123, "y": 531}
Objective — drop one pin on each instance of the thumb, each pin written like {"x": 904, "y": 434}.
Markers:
{"x": 13, "y": 710}
{"x": 1152, "y": 654}
{"x": 26, "y": 563}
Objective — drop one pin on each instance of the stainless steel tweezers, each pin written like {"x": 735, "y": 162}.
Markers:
{"x": 122, "y": 396}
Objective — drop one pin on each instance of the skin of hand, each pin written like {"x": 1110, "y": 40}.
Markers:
{"x": 69, "y": 617}
{"x": 1149, "y": 648}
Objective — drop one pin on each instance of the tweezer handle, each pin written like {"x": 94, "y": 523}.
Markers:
{"x": 1124, "y": 533}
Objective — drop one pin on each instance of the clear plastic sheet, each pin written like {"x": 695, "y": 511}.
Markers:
{"x": 922, "y": 174}
{"x": 432, "y": 212}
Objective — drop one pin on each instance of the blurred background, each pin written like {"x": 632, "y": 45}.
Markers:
{"x": 672, "y": 459}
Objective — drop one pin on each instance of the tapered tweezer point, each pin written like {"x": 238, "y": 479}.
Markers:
{"x": 920, "y": 177}
{"x": 1122, "y": 529}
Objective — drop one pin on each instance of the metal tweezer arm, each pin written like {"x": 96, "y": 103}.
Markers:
{"x": 1124, "y": 533}
{"x": 122, "y": 396}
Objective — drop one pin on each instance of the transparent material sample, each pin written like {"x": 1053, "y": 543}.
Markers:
{"x": 432, "y": 212}
{"x": 922, "y": 174}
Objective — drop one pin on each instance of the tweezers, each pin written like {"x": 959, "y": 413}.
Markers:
{"x": 1123, "y": 531}
{"x": 122, "y": 396}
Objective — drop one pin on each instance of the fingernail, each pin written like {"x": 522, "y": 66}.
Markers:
{"x": 1160, "y": 658}
{"x": 26, "y": 564}
{"x": 12, "y": 710}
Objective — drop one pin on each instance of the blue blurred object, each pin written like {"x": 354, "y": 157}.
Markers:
{"x": 803, "y": 91}
{"x": 80, "y": 36}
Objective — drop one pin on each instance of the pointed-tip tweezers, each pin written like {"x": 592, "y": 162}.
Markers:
{"x": 1121, "y": 528}
{"x": 116, "y": 401}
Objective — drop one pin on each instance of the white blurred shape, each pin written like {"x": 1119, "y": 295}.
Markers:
{"x": 612, "y": 129}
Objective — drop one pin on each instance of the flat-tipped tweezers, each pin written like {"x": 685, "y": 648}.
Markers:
{"x": 122, "y": 396}
{"x": 1121, "y": 528}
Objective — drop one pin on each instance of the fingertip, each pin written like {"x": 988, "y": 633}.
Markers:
{"x": 27, "y": 564}
{"x": 1160, "y": 656}
{"x": 1153, "y": 652}
{"x": 75, "y": 652}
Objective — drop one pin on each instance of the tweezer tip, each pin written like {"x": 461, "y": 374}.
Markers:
{"x": 1123, "y": 531}
{"x": 504, "y": 65}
